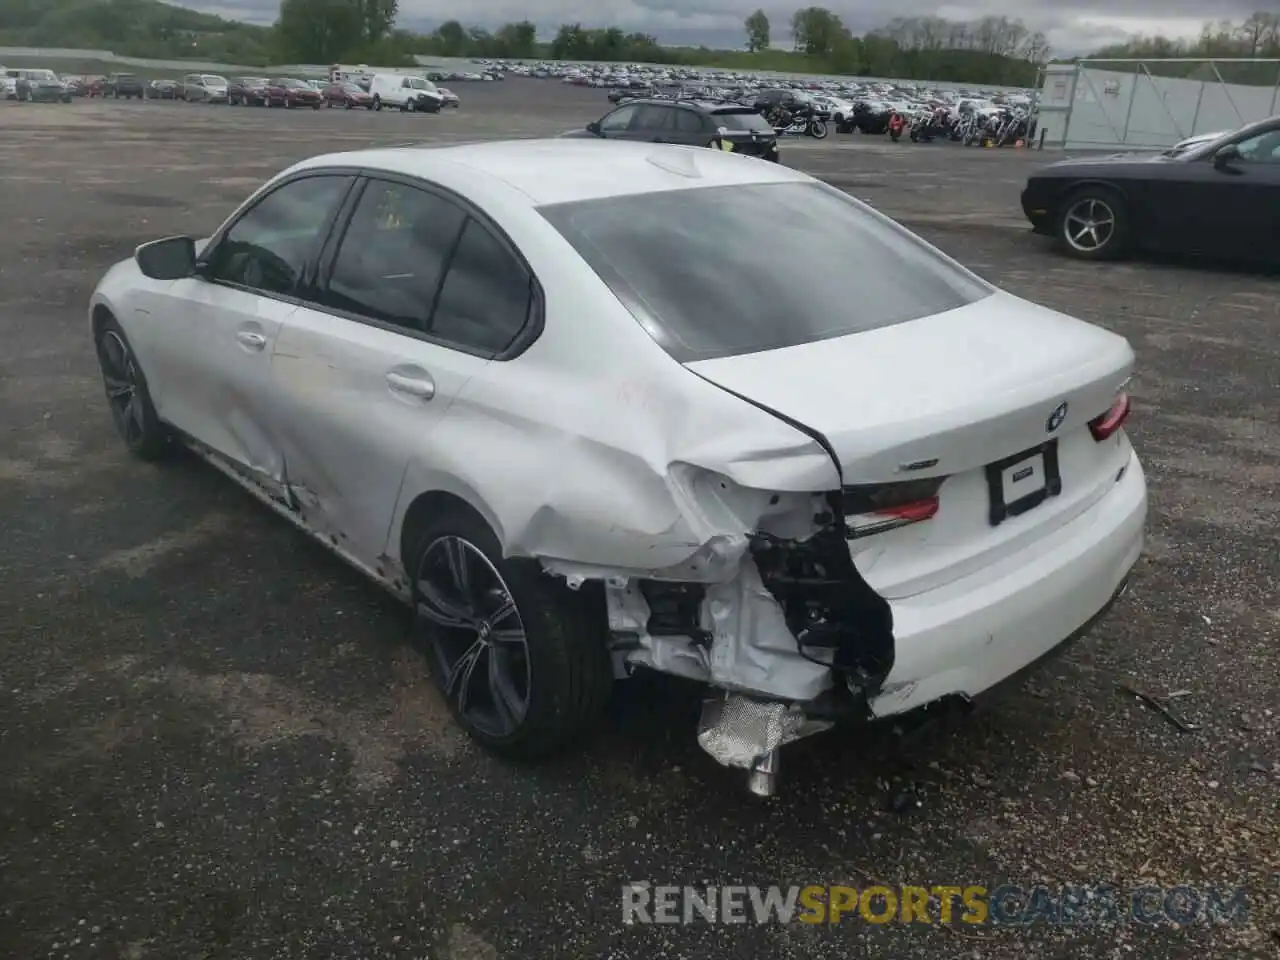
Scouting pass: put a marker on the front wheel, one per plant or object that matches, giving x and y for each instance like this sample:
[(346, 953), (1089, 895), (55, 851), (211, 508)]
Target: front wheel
[(1093, 224), (818, 129), (127, 394), (377, 102), (520, 658)]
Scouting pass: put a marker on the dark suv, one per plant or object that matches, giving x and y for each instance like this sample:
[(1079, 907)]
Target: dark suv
[(695, 123), (125, 85)]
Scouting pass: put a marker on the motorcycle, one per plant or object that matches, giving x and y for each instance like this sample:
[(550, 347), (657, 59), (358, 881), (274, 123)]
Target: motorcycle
[(926, 126), (801, 123), (897, 123)]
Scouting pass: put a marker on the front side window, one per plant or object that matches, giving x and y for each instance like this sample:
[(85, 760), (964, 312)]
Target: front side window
[(1264, 148), (710, 272), (487, 294), (619, 120), (269, 247), (393, 255)]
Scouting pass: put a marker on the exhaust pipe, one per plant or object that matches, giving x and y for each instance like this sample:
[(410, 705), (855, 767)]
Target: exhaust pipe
[(763, 778)]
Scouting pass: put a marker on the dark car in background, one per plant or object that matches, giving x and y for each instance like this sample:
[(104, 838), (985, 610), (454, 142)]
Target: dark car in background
[(164, 90), (289, 92), (1216, 200), (348, 94), (783, 98), (124, 86), (869, 116), (721, 126), (248, 91), (631, 93)]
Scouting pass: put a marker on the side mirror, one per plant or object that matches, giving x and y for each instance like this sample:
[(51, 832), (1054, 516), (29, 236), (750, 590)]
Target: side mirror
[(1226, 154), (172, 258), (594, 127)]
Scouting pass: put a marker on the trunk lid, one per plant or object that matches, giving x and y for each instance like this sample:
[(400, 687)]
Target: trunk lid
[(946, 396)]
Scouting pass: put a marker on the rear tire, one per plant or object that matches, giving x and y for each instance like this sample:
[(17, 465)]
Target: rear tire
[(377, 102), (818, 129), (546, 669)]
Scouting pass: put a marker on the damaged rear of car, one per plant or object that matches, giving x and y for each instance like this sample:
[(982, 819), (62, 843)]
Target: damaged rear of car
[(962, 432)]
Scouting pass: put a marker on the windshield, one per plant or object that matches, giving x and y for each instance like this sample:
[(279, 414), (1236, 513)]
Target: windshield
[(710, 272), (419, 84), (214, 81), (745, 119)]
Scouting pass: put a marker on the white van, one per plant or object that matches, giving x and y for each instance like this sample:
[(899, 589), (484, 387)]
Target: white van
[(407, 93)]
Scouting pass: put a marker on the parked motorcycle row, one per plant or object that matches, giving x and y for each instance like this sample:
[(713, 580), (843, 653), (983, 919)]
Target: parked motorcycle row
[(999, 127), (995, 120)]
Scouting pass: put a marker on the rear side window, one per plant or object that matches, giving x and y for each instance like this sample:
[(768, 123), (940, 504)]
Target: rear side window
[(487, 294), (721, 271), (741, 120), (688, 121), (393, 255)]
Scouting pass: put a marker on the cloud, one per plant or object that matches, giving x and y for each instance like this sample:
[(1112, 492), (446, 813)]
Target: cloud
[(1072, 26)]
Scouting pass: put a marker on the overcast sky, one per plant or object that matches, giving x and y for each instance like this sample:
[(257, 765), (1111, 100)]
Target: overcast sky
[(1072, 26)]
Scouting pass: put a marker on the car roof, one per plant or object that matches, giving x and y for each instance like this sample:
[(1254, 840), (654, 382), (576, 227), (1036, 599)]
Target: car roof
[(697, 103), (565, 169)]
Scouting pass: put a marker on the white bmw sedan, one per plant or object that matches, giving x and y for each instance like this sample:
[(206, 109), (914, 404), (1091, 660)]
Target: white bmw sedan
[(566, 399)]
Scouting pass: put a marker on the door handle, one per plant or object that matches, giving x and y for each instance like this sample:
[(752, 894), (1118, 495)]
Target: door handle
[(254, 341), (423, 387)]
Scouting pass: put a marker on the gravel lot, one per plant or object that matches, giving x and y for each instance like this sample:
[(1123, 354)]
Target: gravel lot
[(216, 744)]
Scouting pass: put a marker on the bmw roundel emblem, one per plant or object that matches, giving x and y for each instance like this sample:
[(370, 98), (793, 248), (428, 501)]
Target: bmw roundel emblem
[(1055, 419)]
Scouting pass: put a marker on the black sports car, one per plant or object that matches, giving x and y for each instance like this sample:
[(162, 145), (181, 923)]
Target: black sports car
[(1218, 199)]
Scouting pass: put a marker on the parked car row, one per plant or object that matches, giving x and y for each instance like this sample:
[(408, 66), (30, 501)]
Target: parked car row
[(405, 92)]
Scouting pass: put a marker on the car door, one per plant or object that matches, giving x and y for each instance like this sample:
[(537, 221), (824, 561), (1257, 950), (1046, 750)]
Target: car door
[(1226, 210), (418, 295), (1246, 198), (211, 336)]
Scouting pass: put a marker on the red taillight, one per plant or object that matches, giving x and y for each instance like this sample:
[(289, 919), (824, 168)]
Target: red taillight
[(1104, 426), (872, 509)]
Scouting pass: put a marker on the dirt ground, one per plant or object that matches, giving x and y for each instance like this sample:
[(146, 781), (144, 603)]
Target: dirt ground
[(215, 742)]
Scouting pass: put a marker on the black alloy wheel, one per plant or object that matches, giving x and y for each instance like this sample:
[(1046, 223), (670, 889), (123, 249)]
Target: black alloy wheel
[(127, 395), (480, 651), (521, 659)]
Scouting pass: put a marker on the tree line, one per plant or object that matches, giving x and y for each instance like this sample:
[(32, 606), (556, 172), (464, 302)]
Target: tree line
[(990, 50), (1257, 36)]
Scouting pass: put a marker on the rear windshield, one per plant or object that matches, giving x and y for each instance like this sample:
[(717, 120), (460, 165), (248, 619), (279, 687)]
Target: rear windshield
[(744, 119), (722, 271)]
